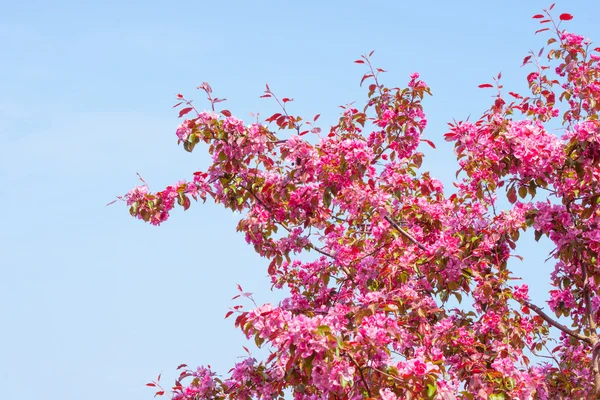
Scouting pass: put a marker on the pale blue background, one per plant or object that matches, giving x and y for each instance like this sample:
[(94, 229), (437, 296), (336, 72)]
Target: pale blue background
[(93, 303)]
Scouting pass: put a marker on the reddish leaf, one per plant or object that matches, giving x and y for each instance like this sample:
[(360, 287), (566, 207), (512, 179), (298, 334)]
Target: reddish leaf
[(226, 113), (150, 384), (545, 21), (218, 100), (286, 99), (158, 379), (369, 75), (541, 30), (316, 117), (265, 95), (178, 104), (359, 61), (565, 17), (371, 53), (429, 142), (228, 314), (245, 348), (552, 6), (381, 70), (182, 366), (538, 16), (315, 130), (526, 60), (302, 133), (185, 111), (159, 393), (485, 85), (179, 96), (273, 117)]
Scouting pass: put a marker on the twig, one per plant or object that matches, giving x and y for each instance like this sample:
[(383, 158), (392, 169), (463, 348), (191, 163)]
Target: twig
[(556, 324), (404, 233)]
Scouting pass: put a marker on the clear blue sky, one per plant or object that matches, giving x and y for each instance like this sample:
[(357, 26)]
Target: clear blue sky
[(93, 303)]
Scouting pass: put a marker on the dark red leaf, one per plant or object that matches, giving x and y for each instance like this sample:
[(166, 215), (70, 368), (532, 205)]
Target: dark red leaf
[(316, 117), (226, 113), (541, 52), (371, 53), (228, 314), (381, 70), (159, 393), (185, 111), (182, 366), (179, 96), (485, 85), (538, 16), (178, 104), (597, 49), (265, 95), (525, 60), (542, 30), (565, 17), (429, 142), (218, 100), (286, 99), (545, 21), (552, 6), (302, 133), (359, 61), (150, 384), (158, 379), (365, 77), (515, 95)]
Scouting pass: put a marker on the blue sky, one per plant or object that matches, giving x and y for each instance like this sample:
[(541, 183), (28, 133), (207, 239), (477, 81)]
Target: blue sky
[(94, 303)]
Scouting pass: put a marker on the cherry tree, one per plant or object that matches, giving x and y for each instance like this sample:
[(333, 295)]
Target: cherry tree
[(371, 310)]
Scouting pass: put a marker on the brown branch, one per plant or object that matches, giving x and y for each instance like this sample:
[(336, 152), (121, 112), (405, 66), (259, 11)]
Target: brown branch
[(362, 376), (586, 296), (556, 324), (404, 233)]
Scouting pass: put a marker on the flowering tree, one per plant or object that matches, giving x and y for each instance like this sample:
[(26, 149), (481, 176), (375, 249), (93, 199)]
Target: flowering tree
[(369, 316)]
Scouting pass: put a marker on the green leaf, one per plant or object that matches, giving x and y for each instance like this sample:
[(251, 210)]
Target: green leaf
[(499, 396), (327, 197), (431, 389), (323, 330)]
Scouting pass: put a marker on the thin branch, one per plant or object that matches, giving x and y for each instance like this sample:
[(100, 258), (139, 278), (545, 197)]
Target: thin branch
[(556, 324), (586, 296), (362, 376), (404, 233)]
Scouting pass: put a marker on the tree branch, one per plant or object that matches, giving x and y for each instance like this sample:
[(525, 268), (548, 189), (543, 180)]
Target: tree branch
[(586, 296), (556, 324), (404, 233)]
